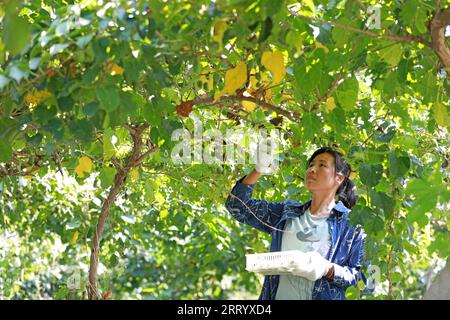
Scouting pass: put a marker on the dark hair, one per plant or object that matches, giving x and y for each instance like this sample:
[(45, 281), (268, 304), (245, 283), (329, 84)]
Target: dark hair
[(346, 190)]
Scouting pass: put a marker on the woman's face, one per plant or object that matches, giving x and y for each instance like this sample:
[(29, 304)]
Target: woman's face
[(321, 174)]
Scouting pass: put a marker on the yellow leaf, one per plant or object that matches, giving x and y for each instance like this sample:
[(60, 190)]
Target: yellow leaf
[(159, 198), (268, 95), (321, 46), (248, 106), (265, 79), (218, 95), (219, 29), (440, 114), (115, 69), (84, 166), (352, 175), (163, 214), (134, 174), (209, 82), (330, 104), (274, 62), (36, 97), (235, 78), (309, 4), (30, 100), (74, 238), (253, 82)]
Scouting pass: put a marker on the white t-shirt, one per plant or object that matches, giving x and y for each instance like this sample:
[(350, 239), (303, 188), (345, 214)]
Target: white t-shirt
[(305, 233)]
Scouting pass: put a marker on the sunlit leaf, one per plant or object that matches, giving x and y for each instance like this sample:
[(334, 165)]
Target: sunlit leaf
[(274, 62), (84, 166)]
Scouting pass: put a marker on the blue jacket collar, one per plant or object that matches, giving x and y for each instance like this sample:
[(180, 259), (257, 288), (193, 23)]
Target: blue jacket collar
[(299, 209)]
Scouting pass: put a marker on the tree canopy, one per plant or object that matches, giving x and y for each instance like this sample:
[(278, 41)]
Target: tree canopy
[(91, 92)]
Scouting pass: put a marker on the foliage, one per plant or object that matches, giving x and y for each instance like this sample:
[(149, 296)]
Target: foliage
[(75, 75)]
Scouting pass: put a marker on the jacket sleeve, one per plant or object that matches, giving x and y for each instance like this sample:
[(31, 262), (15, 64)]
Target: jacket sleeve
[(259, 214), (350, 274)]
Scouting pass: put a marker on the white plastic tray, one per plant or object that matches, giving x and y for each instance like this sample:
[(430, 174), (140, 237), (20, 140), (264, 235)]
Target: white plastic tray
[(274, 263)]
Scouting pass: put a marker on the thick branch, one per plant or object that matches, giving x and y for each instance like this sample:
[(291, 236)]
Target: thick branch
[(438, 41), (290, 115), (366, 32), (132, 161)]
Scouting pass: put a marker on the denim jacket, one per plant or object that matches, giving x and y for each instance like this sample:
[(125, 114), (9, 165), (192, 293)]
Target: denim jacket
[(347, 242)]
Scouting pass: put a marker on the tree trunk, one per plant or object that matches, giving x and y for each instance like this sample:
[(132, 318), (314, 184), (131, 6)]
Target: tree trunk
[(133, 160), (438, 40), (440, 288)]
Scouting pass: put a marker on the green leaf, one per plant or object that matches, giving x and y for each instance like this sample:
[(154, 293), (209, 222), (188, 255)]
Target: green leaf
[(385, 137), (272, 6), (341, 36), (440, 114), (347, 93), (131, 104), (82, 130), (361, 285), (310, 124), (19, 72), (107, 177), (360, 215), (266, 29), (428, 87), (399, 164), (57, 48), (91, 108), (108, 147), (73, 224), (56, 127), (396, 277), (391, 87), (351, 293), (425, 196), (440, 244), (65, 103), (402, 71), (83, 41), (3, 81), (16, 33), (370, 175), (5, 151), (384, 202), (301, 77), (108, 97), (392, 54), (44, 113), (414, 15), (374, 225)]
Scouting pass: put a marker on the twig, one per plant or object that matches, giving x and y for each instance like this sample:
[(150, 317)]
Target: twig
[(391, 37), (327, 94)]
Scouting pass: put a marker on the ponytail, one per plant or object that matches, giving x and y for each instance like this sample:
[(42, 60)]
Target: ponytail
[(346, 193)]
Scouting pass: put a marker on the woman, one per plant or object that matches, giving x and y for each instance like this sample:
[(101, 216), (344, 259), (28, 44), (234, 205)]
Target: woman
[(319, 227)]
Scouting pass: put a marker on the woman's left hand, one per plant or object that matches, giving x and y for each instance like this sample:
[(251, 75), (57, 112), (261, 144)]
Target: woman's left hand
[(313, 267)]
